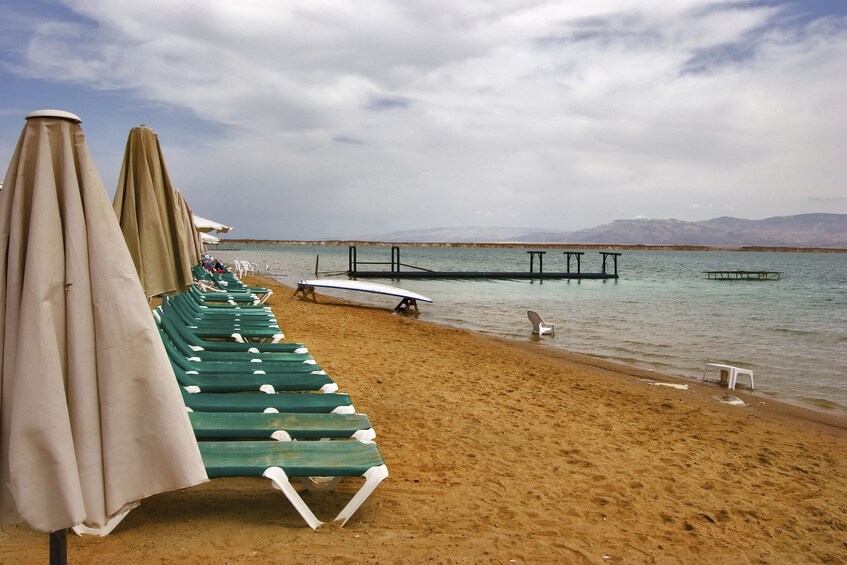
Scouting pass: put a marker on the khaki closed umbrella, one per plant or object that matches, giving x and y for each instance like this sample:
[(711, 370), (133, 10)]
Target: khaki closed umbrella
[(147, 211), (192, 238), (91, 418)]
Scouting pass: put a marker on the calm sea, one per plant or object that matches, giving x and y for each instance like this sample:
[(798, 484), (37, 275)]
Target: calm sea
[(661, 314)]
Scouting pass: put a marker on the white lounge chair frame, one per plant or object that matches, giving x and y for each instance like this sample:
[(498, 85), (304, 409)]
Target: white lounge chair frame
[(280, 481)]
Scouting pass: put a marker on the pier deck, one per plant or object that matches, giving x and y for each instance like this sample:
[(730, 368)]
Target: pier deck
[(743, 275), (477, 275), (415, 272)]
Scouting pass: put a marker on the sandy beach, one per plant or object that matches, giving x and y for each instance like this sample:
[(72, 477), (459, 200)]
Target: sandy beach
[(509, 452)]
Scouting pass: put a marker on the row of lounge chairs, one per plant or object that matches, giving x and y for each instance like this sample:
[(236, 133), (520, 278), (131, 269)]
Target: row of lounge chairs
[(260, 407), (228, 283)]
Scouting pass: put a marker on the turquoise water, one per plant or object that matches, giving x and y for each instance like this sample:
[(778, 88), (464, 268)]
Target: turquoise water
[(661, 314)]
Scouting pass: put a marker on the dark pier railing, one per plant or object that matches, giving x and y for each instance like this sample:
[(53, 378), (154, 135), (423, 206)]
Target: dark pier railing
[(743, 275), (614, 256), (415, 272), (576, 254), (395, 264)]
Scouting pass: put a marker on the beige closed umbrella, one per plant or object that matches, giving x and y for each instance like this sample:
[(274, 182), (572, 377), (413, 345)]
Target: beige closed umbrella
[(91, 417), (192, 236), (146, 206)]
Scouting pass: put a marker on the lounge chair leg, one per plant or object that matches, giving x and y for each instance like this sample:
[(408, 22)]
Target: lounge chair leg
[(265, 297), (320, 484), (281, 481), (373, 477)]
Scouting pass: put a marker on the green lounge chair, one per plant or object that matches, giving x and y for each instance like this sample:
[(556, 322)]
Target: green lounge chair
[(214, 287), (295, 402), (247, 353), (282, 461), (211, 297), (197, 365), (208, 327), (179, 309), (174, 328), (279, 426), (275, 359), (228, 281), (320, 465), (190, 306), (194, 382), (197, 297)]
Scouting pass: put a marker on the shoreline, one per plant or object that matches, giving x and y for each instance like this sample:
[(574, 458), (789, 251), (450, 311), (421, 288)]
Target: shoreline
[(759, 404), (825, 415), (541, 245), (507, 452)]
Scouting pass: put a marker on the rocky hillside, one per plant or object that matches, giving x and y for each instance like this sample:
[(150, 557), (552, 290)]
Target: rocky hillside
[(803, 230)]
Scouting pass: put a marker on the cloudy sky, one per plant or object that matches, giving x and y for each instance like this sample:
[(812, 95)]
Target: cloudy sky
[(323, 118)]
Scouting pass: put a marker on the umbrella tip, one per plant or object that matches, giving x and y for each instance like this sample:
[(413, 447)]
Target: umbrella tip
[(54, 114)]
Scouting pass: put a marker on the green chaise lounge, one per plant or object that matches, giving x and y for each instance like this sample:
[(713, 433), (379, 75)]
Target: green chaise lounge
[(194, 382), (177, 329), (282, 461), (299, 402), (280, 426)]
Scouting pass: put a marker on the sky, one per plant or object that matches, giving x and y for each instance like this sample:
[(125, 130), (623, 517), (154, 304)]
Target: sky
[(327, 119)]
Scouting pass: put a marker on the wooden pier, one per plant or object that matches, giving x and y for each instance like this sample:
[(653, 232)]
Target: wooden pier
[(743, 275), (415, 272)]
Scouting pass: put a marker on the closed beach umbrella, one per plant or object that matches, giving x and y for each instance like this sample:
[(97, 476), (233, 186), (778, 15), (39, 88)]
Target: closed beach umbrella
[(192, 236), (206, 225), (91, 418), (146, 206)]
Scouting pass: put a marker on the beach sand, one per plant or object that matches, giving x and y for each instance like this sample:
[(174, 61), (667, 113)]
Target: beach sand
[(509, 452)]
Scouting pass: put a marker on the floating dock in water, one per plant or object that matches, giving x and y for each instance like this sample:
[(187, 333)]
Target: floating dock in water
[(415, 272), (743, 275)]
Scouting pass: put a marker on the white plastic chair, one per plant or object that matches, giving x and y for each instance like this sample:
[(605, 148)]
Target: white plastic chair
[(538, 325)]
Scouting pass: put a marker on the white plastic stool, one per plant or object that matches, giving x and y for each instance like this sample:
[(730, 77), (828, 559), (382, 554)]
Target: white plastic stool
[(729, 374), (733, 376)]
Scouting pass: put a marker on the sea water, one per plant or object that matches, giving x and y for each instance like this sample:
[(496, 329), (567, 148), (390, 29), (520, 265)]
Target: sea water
[(662, 313)]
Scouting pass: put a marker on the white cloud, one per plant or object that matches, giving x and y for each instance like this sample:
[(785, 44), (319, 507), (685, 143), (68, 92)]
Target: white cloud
[(345, 118)]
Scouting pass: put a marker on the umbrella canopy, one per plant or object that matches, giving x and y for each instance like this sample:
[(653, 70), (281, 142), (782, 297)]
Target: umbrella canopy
[(192, 236), (206, 225), (153, 227), (209, 238), (91, 418)]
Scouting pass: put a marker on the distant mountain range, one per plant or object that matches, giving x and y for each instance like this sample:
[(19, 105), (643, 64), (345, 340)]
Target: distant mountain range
[(803, 230)]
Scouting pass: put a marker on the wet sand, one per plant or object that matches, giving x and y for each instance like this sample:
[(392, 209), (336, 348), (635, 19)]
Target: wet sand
[(510, 452)]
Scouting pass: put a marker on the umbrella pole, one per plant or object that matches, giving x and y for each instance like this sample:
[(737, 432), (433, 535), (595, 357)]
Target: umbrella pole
[(59, 547)]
